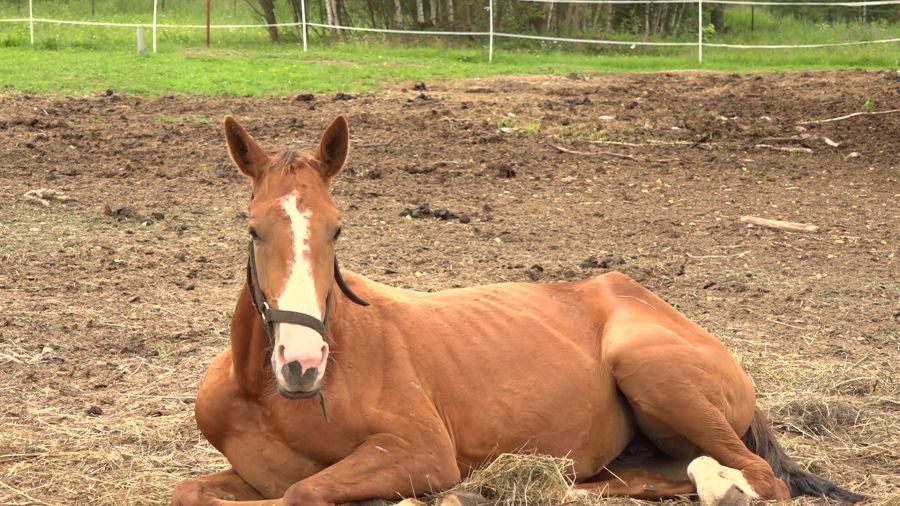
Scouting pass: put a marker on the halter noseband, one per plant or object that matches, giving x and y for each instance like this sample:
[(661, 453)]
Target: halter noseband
[(272, 316)]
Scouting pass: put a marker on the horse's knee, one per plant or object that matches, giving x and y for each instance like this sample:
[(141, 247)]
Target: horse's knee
[(302, 495), (187, 493)]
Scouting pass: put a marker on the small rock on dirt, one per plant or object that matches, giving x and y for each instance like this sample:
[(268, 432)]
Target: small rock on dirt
[(121, 213), (305, 97), (592, 262), (445, 214), (420, 87), (343, 96), (579, 101), (506, 172), (420, 211), (94, 411)]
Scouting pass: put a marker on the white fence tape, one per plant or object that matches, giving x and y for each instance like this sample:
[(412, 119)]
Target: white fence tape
[(793, 46), (385, 30), (491, 34), (727, 2), (592, 41)]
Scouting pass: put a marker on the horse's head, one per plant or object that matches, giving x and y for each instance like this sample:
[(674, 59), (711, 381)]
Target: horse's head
[(294, 224)]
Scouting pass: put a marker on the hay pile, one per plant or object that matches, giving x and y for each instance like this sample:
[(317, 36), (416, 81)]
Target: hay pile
[(515, 479)]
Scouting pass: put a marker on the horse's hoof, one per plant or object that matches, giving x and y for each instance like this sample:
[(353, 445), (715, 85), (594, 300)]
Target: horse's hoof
[(461, 499)]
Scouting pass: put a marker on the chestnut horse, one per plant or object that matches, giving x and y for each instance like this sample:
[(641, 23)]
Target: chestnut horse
[(340, 389)]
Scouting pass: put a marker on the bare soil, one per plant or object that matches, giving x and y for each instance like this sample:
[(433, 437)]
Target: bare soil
[(116, 292)]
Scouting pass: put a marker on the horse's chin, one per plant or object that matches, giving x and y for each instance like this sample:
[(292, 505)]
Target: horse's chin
[(299, 394)]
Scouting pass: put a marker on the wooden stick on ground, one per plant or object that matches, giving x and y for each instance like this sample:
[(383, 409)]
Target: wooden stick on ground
[(839, 118), (781, 148), (610, 153), (790, 226)]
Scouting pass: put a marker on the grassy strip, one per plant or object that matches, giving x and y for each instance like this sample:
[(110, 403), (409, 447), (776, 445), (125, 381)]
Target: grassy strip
[(286, 69)]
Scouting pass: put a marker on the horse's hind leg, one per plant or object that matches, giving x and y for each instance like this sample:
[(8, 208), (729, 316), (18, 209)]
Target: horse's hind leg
[(689, 399), (639, 484)]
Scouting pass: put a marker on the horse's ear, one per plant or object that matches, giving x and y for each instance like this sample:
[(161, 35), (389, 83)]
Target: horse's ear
[(247, 154), (334, 147)]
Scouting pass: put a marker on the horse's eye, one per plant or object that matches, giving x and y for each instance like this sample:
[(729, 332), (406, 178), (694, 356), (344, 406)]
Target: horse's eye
[(253, 234), (337, 234)]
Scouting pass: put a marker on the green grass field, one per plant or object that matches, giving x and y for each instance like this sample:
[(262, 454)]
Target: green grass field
[(79, 60)]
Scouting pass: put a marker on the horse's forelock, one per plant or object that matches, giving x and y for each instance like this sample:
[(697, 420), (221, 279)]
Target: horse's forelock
[(290, 161)]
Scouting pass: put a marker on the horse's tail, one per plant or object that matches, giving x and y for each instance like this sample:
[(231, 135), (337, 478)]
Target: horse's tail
[(761, 440)]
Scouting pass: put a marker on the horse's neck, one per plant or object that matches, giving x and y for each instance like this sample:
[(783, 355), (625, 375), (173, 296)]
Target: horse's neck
[(249, 340)]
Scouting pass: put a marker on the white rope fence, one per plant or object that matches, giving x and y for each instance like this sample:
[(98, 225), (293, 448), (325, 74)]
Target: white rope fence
[(303, 24)]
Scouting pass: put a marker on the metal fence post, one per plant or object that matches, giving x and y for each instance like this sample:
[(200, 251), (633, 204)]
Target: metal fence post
[(31, 19), (303, 21), (700, 31), (491, 31), (154, 25)]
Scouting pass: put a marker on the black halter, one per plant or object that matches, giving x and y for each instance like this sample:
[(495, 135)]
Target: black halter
[(272, 316)]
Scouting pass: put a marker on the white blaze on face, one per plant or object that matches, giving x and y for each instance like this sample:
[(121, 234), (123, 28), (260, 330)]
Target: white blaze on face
[(299, 343), (300, 291)]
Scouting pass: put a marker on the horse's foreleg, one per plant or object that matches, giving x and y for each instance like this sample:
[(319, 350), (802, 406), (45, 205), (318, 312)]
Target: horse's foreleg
[(386, 466), (214, 489)]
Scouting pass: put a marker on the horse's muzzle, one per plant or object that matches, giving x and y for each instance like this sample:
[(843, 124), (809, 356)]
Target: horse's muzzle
[(297, 381)]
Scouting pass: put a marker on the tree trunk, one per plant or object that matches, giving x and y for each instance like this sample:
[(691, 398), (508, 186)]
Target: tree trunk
[(717, 16), (610, 17), (433, 11), (267, 12), (450, 12), (329, 14), (338, 8), (647, 19), (371, 9), (675, 19), (420, 13), (398, 14), (549, 14)]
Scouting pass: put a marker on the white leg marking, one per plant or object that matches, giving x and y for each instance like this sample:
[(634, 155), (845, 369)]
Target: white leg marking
[(718, 485)]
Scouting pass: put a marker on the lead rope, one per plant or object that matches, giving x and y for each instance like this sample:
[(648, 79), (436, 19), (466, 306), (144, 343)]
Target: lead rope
[(324, 410)]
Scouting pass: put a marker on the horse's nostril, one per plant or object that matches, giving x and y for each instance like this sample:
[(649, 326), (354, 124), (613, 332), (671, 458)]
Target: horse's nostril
[(291, 372), (309, 376), (294, 375)]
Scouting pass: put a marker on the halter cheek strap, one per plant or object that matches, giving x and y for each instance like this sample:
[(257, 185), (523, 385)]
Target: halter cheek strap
[(272, 316)]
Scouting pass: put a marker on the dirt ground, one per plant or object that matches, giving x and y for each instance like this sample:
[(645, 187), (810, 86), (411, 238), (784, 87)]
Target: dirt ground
[(116, 292)]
